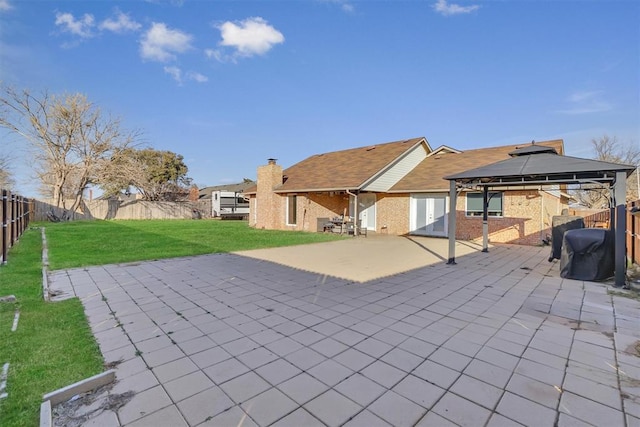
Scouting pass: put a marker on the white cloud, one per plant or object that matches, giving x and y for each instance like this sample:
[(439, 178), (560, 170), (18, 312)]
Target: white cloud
[(214, 54), (200, 78), (161, 43), (177, 75), (5, 6), (174, 72), (447, 9), (177, 3), (121, 24), (348, 7), (80, 27), (581, 96), (345, 5), (253, 36), (586, 102)]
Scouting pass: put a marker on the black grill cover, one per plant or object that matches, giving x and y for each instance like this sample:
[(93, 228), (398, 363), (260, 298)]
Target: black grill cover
[(587, 254), (559, 225)]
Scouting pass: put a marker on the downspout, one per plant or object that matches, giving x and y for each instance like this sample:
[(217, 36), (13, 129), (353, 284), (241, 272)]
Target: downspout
[(355, 212)]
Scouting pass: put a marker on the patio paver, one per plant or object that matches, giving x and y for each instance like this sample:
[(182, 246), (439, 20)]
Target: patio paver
[(499, 339)]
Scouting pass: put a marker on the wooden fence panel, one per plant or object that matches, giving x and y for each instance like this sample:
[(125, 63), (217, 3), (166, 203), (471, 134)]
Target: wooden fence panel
[(15, 214), (116, 209), (593, 218)]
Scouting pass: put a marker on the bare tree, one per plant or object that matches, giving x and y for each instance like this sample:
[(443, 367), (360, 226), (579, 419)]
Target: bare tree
[(610, 149), (69, 138), (6, 177)]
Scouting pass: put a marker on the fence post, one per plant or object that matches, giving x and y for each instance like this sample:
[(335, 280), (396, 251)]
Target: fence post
[(21, 215), (25, 208), (633, 236), (4, 226), (12, 219), (18, 217)]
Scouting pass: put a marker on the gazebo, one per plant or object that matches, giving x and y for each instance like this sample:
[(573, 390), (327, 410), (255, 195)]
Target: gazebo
[(536, 166)]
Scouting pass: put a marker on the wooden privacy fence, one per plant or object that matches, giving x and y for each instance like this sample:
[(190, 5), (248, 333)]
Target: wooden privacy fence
[(602, 219), (117, 209), (15, 212)]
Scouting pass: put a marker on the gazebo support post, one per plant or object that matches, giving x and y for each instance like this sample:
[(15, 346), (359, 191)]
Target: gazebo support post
[(452, 222), (620, 193), (485, 219)]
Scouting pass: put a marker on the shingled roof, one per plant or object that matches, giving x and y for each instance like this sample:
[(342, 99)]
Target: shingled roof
[(241, 187), (428, 175), (351, 169), (346, 169)]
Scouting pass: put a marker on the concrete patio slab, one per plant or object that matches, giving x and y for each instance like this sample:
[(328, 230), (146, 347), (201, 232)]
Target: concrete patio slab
[(498, 339), (364, 259)]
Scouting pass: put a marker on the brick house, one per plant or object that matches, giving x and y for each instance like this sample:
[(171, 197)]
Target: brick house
[(397, 188)]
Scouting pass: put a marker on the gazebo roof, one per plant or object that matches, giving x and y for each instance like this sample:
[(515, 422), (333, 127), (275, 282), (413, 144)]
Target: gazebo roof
[(532, 149), (536, 164)]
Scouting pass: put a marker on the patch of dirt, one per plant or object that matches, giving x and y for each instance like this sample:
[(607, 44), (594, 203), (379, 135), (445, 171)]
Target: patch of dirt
[(631, 382), (634, 349), (83, 407), (113, 365), (629, 293)]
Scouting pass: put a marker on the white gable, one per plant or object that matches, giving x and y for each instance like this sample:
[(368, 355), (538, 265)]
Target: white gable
[(388, 178), (444, 149)]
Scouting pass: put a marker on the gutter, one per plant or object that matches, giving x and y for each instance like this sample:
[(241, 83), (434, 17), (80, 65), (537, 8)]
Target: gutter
[(309, 190)]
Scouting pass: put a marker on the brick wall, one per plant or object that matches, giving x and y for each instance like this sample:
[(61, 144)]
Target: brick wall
[(392, 214), (271, 208), (269, 205), (323, 205), (526, 220)]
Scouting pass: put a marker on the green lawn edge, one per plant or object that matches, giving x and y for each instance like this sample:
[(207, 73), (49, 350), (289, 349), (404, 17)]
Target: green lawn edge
[(52, 346)]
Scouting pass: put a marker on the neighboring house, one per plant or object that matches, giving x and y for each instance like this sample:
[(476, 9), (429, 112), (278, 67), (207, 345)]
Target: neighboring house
[(228, 200), (397, 188)]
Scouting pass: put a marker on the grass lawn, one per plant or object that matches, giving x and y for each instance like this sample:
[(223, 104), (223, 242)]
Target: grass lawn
[(53, 345), (82, 243)]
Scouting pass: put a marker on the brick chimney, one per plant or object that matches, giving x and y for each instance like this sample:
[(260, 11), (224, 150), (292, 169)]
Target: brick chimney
[(269, 204)]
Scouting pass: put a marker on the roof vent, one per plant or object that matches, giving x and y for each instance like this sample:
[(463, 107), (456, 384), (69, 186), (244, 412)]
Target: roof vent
[(373, 147)]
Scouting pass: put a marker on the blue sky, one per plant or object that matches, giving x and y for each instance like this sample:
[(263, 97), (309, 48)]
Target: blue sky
[(228, 84)]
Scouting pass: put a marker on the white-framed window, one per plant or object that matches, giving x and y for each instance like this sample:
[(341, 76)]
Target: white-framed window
[(474, 204), (292, 210)]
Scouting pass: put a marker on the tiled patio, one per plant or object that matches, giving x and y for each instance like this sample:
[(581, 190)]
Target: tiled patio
[(497, 340)]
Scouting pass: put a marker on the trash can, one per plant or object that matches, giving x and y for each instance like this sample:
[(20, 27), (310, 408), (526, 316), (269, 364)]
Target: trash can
[(560, 224), (587, 254)]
